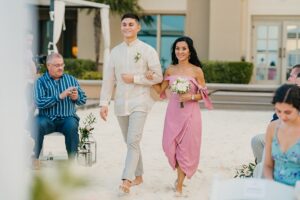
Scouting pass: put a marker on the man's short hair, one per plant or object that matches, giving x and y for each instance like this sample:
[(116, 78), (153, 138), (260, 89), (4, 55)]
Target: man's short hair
[(51, 56), (132, 16)]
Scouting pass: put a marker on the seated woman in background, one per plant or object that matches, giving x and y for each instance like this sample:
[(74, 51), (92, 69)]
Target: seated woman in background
[(282, 158)]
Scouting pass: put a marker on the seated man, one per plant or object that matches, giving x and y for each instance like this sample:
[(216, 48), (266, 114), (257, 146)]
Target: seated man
[(258, 141), (56, 95)]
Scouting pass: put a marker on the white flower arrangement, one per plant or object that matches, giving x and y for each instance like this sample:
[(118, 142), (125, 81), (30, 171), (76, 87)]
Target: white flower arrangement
[(180, 86), (245, 171), (137, 57), (86, 130)]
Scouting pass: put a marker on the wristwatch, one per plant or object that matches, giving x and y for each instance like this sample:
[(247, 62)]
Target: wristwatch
[(193, 97)]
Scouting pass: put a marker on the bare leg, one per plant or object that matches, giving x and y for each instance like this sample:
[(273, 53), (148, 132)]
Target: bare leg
[(180, 179)]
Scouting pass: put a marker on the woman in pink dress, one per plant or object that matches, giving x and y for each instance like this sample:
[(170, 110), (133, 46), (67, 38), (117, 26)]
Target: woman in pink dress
[(182, 128)]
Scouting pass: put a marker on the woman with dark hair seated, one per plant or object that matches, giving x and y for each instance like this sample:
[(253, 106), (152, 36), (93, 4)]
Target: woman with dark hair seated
[(282, 158)]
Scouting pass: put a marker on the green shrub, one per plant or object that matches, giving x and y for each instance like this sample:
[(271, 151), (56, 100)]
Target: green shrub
[(227, 72), (92, 75), (80, 68)]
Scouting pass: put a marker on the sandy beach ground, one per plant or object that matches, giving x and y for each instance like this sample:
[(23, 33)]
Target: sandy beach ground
[(225, 146)]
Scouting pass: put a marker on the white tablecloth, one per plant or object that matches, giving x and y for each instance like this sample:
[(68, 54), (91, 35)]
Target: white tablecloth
[(251, 189)]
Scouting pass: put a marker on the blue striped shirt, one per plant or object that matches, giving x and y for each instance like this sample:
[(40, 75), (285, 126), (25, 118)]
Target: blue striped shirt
[(46, 96)]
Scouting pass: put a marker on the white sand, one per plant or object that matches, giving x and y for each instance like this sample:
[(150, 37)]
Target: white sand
[(226, 139)]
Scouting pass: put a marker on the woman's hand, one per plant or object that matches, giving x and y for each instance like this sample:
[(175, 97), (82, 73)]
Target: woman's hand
[(185, 97), (149, 75)]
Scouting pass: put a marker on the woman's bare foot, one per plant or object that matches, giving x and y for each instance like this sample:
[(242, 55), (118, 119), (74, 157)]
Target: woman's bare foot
[(125, 186), (178, 189), (138, 180), (178, 186)]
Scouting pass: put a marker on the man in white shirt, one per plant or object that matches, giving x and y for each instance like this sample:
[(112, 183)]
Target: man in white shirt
[(129, 61)]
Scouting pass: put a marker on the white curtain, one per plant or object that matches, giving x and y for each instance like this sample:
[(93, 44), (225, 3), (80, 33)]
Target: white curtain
[(104, 12), (59, 14)]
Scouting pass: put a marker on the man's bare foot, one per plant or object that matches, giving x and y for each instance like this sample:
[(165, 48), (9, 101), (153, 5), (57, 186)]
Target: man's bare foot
[(125, 186), (36, 165), (138, 180), (178, 188)]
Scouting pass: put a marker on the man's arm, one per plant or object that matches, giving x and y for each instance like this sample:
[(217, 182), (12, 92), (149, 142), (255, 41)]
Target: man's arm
[(79, 94), (41, 100), (154, 66), (108, 84), (157, 76), (107, 88)]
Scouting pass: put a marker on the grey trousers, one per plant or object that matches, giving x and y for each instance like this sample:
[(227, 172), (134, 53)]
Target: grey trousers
[(132, 129), (258, 145)]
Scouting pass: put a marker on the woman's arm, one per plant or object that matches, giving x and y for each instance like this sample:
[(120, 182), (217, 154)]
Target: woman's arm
[(198, 74), (160, 87), (269, 162)]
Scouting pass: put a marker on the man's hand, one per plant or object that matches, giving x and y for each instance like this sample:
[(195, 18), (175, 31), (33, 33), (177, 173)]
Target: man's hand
[(127, 78), (103, 112), (74, 94), (69, 92)]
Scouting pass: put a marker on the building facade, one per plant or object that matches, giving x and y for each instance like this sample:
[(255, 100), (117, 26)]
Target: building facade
[(264, 32)]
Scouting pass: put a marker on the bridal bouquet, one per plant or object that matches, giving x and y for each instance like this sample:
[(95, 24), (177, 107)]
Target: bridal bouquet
[(180, 86)]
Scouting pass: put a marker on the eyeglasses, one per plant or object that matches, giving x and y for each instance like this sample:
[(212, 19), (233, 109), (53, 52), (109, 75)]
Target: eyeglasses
[(58, 65)]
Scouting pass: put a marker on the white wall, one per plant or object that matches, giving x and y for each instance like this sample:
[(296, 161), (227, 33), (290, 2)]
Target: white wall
[(274, 7), (225, 30), (85, 35), (174, 6)]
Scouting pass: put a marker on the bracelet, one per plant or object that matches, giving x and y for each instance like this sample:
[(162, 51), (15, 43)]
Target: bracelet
[(193, 97)]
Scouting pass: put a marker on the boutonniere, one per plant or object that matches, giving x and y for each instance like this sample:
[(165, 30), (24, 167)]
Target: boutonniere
[(137, 56)]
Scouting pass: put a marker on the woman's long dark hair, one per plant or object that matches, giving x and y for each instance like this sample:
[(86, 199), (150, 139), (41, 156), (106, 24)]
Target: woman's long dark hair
[(193, 57), (288, 93)]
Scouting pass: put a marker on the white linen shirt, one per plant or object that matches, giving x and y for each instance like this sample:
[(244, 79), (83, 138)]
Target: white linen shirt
[(135, 58)]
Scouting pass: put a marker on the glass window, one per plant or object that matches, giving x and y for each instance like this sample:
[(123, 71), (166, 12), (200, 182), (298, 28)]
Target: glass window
[(149, 31), (273, 32), (163, 31), (171, 28), (273, 45), (261, 45), (262, 32)]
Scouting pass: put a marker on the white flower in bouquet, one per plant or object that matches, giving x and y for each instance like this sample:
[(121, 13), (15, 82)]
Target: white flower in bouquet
[(89, 128), (180, 86)]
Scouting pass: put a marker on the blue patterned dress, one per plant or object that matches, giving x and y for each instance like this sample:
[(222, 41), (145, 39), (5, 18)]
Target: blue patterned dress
[(286, 164)]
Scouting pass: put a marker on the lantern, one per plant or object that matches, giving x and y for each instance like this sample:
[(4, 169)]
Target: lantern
[(87, 152)]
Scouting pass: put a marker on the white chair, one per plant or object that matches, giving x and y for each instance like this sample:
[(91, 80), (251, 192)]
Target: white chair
[(250, 189), (54, 147)]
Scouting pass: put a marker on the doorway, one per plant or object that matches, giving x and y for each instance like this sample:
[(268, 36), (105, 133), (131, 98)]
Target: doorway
[(276, 49)]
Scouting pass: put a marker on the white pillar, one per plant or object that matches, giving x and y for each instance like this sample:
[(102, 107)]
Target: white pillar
[(13, 168)]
